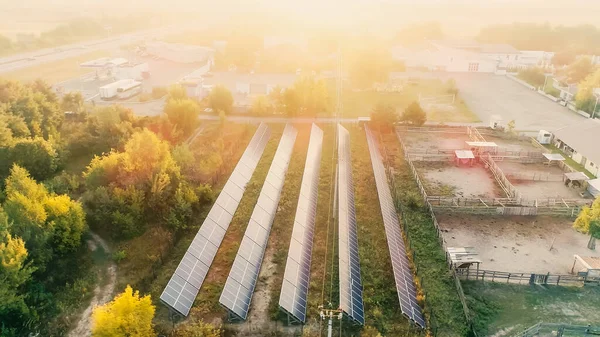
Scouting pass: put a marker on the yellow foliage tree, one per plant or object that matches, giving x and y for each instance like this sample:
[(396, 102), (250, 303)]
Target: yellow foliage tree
[(127, 315), (586, 216)]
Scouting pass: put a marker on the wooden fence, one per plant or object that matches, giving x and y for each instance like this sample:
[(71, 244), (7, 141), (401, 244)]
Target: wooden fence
[(504, 183), (521, 278), (559, 330), (474, 134)]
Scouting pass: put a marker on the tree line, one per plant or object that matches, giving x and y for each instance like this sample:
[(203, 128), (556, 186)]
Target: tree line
[(141, 174)]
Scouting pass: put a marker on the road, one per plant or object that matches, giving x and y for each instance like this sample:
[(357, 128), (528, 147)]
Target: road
[(29, 59)]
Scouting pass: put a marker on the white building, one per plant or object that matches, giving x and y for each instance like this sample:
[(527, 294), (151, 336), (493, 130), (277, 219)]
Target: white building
[(180, 53), (535, 58), (136, 71), (580, 142), (121, 89)]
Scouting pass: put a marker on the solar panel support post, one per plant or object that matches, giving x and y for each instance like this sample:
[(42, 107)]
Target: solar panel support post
[(174, 315)]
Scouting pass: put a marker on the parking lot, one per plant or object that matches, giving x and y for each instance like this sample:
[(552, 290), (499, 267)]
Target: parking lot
[(488, 94)]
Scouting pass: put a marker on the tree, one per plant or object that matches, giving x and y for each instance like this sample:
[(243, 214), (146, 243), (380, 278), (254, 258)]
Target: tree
[(563, 58), (67, 220), (177, 91), (261, 106), (220, 99), (291, 102), (578, 70), (14, 273), (183, 113), (588, 222), (37, 155), (414, 114), (73, 102), (127, 315), (585, 99), (384, 117), (533, 76), (312, 94), (370, 66)]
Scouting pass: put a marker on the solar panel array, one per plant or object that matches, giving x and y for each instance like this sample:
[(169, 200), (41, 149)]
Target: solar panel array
[(238, 289), (183, 287), (351, 301), (294, 289), (402, 273)]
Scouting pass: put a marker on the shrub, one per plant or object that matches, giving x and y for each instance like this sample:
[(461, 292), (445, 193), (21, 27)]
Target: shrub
[(159, 92), (119, 256)]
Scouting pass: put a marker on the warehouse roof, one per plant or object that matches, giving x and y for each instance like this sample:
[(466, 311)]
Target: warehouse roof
[(583, 138)]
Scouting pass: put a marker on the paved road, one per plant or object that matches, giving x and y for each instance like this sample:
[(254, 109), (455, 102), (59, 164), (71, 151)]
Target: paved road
[(42, 56), (488, 94)]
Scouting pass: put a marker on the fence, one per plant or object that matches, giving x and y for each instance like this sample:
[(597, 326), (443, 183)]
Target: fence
[(475, 135), (504, 183), (521, 278), (559, 330), (436, 225)]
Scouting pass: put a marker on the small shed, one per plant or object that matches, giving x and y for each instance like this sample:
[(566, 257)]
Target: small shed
[(575, 178), (463, 257), (464, 157), (594, 187), (553, 158), (590, 265)]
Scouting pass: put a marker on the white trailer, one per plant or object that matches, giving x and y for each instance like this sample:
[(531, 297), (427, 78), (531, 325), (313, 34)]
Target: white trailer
[(120, 89)]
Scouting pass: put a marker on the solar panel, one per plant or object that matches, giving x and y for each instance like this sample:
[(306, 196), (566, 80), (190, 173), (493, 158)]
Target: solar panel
[(294, 289), (351, 301), (238, 289), (407, 293), (183, 287)]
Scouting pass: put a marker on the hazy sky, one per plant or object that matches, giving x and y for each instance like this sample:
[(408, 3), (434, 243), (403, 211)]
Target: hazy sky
[(458, 17)]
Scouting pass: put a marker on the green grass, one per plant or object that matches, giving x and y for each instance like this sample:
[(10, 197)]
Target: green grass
[(550, 89), (514, 308), (443, 305), (360, 103), (569, 161)]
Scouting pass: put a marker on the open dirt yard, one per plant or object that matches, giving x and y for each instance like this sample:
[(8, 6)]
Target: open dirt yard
[(538, 181), (422, 141), (444, 179), (517, 244), (512, 143)]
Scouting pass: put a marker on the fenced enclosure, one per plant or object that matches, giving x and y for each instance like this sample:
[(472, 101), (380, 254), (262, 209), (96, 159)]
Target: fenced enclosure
[(513, 203), (525, 278), (559, 330)]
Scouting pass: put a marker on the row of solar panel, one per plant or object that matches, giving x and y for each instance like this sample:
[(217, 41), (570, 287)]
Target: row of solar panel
[(405, 287), (294, 290), (239, 287), (350, 284), (183, 287)]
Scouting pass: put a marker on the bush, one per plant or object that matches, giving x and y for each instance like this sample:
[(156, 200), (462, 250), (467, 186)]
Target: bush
[(414, 114), (119, 256), (533, 76), (159, 92)]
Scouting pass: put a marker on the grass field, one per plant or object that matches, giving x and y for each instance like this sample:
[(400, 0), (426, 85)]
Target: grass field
[(55, 72), (360, 103), (504, 310)]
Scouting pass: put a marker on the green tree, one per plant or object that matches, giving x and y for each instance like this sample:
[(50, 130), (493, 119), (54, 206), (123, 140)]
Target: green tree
[(127, 315), (383, 117), (313, 96), (74, 103), (414, 114), (183, 113), (533, 76), (370, 66), (37, 155), (261, 106), (177, 92), (594, 234), (220, 99), (291, 102), (67, 220)]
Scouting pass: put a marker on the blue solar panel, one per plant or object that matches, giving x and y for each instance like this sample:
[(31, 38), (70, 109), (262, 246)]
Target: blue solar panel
[(183, 287), (351, 301), (407, 293), (294, 289), (238, 289)]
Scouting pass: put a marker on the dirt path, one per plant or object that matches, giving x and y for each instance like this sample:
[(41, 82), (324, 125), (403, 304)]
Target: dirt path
[(102, 293)]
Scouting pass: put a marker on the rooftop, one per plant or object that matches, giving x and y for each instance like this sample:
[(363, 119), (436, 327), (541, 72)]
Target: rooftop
[(582, 137)]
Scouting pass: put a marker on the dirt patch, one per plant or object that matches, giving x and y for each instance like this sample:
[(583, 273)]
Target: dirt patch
[(441, 179), (509, 143), (517, 244), (434, 141), (102, 293)]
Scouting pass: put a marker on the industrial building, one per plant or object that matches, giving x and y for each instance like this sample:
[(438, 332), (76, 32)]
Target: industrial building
[(121, 89), (579, 141)]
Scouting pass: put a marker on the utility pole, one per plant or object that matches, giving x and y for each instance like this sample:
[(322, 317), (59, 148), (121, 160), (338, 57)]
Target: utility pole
[(330, 315)]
